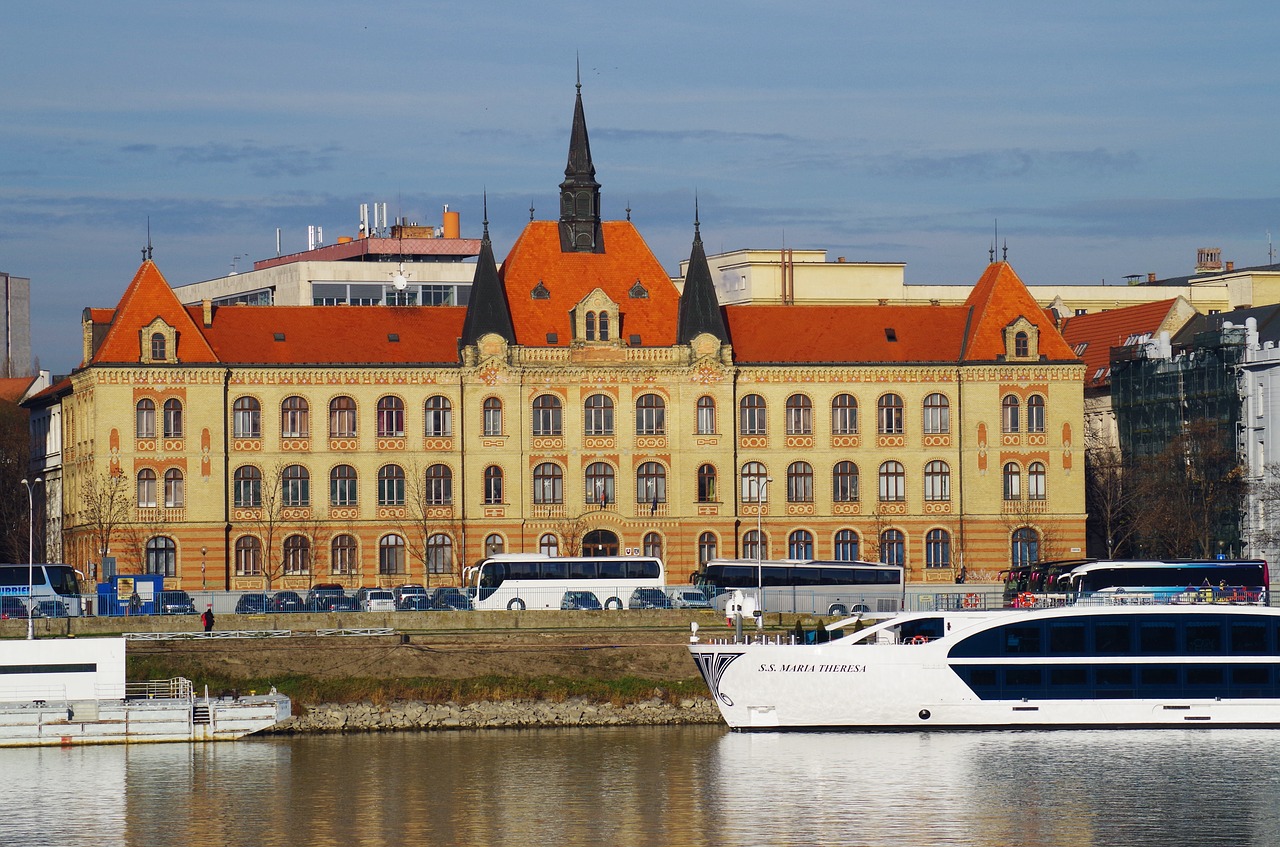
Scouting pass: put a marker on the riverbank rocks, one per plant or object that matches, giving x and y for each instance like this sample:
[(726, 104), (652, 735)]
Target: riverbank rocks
[(507, 714)]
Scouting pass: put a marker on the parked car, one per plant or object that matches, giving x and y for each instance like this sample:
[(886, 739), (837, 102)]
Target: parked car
[(451, 599), (688, 598), (12, 607), (377, 599), (414, 603), (287, 601), (51, 609), (322, 597), (253, 604), (402, 591), (174, 603), (649, 598), (583, 601), (345, 603)]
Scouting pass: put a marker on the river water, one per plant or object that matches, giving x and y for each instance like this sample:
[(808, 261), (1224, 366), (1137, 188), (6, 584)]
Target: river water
[(655, 786)]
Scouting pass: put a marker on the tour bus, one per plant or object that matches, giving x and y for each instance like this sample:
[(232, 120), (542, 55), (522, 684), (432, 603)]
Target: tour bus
[(809, 586), (55, 589), (1171, 581), (1040, 582), (538, 581)]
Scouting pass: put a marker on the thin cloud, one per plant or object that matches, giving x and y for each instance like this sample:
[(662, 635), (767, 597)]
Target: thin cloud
[(261, 160), (1013, 162)]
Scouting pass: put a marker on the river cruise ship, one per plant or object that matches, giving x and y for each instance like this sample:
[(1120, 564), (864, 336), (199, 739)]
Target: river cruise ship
[(72, 691), (1105, 666)]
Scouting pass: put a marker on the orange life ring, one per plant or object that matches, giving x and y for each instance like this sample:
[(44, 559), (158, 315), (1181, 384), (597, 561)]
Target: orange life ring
[(1026, 600), (972, 601), (919, 639)]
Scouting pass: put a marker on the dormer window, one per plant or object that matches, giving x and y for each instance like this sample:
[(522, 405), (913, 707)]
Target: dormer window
[(1021, 341), (157, 347), (595, 318), (638, 291), (591, 326), (604, 326), (540, 292), (157, 343), (1021, 345)]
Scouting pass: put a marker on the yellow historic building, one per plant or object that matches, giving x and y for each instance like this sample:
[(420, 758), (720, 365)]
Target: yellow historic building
[(580, 402)]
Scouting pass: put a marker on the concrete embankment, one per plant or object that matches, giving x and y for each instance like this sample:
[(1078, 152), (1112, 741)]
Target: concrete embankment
[(510, 714)]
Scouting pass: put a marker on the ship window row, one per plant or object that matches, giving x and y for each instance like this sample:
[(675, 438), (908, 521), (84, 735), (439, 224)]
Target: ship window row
[(1120, 635), (1120, 682)]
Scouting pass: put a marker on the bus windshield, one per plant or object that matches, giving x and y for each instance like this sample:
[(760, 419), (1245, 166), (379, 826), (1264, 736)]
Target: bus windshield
[(1038, 578)]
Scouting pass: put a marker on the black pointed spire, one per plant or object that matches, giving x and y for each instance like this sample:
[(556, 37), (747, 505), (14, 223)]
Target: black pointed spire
[(699, 308), (487, 310), (580, 193)]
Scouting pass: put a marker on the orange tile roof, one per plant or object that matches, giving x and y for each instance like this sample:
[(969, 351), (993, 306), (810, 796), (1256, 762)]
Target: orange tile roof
[(149, 297), (1101, 331), (768, 333), (999, 298), (569, 277), (331, 335), (12, 388)]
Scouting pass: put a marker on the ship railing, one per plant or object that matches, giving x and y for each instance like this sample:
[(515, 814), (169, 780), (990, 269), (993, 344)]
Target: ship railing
[(177, 688)]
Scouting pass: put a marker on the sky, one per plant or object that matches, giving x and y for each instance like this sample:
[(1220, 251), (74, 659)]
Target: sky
[(1099, 139)]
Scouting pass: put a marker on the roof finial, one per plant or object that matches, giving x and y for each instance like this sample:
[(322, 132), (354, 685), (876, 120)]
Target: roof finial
[(628, 210), (146, 253), (1004, 257), (697, 233), (991, 253), (577, 61), (485, 195), (530, 211)]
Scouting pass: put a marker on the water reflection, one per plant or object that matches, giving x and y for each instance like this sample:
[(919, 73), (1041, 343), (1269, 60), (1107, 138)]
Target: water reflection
[(656, 786)]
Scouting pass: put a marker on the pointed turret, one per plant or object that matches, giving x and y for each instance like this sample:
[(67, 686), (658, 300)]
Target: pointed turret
[(580, 193), (487, 310), (699, 308)]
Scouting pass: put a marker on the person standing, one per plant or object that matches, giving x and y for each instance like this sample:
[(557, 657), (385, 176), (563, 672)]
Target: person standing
[(207, 618)]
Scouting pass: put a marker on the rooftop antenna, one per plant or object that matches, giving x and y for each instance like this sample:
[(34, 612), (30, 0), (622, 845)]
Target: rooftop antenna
[(400, 278), (1271, 250), (530, 211)]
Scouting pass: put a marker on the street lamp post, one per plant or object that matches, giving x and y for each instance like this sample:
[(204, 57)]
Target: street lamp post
[(31, 553)]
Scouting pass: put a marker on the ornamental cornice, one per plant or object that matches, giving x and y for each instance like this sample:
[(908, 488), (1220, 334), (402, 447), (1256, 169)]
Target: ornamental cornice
[(841, 374), (157, 378), (305, 377)]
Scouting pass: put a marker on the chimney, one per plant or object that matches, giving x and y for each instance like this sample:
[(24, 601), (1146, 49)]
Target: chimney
[(1231, 266), (206, 305), (840, 260), (1151, 277)]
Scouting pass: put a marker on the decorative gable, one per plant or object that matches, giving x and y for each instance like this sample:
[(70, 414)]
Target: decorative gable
[(596, 319), (158, 343), (1022, 341)]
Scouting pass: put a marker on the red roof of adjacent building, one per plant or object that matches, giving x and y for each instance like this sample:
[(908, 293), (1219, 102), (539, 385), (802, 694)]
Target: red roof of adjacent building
[(1100, 331), (569, 277)]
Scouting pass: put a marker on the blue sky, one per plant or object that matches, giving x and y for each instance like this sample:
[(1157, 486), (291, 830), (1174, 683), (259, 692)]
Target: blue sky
[(1107, 138)]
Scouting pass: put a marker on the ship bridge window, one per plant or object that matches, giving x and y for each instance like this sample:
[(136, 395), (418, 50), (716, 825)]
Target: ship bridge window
[(1112, 637), (1204, 638), (1066, 638), (1249, 638), (1158, 637), (927, 628), (1022, 639)]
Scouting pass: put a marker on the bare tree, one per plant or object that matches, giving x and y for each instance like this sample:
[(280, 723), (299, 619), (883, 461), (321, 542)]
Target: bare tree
[(268, 522), (15, 452), (106, 506), (317, 533), (571, 530), (1111, 497)]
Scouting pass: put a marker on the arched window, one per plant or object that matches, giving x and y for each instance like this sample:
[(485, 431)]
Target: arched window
[(342, 417), (652, 544), (844, 415), (752, 415), (599, 484), (1012, 481), (937, 414), (390, 417), (246, 418), (546, 415), (438, 412), (799, 415), (391, 554), (549, 544), (172, 418), (248, 556), (343, 555), (343, 486), (295, 418), (651, 485), (707, 484), (246, 487), (157, 347), (800, 544), (390, 485), (1035, 481), (1025, 546), (439, 486), (651, 415), (439, 553), (604, 326), (707, 547), (889, 414), (493, 486), (755, 481), (1021, 344), (174, 495), (297, 555), (1035, 413), (548, 484), (893, 547), (937, 549), (844, 482), (755, 545), (295, 486), (598, 414), (937, 482), (162, 556), (146, 418), (893, 482), (1009, 414), (492, 416), (590, 323), (706, 415), (146, 488), (800, 482), (494, 544), (846, 543)]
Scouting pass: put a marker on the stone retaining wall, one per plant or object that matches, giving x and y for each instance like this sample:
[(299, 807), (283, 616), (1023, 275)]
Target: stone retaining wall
[(576, 711)]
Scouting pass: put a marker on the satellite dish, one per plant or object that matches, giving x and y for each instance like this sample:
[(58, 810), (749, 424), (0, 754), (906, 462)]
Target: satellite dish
[(400, 279)]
